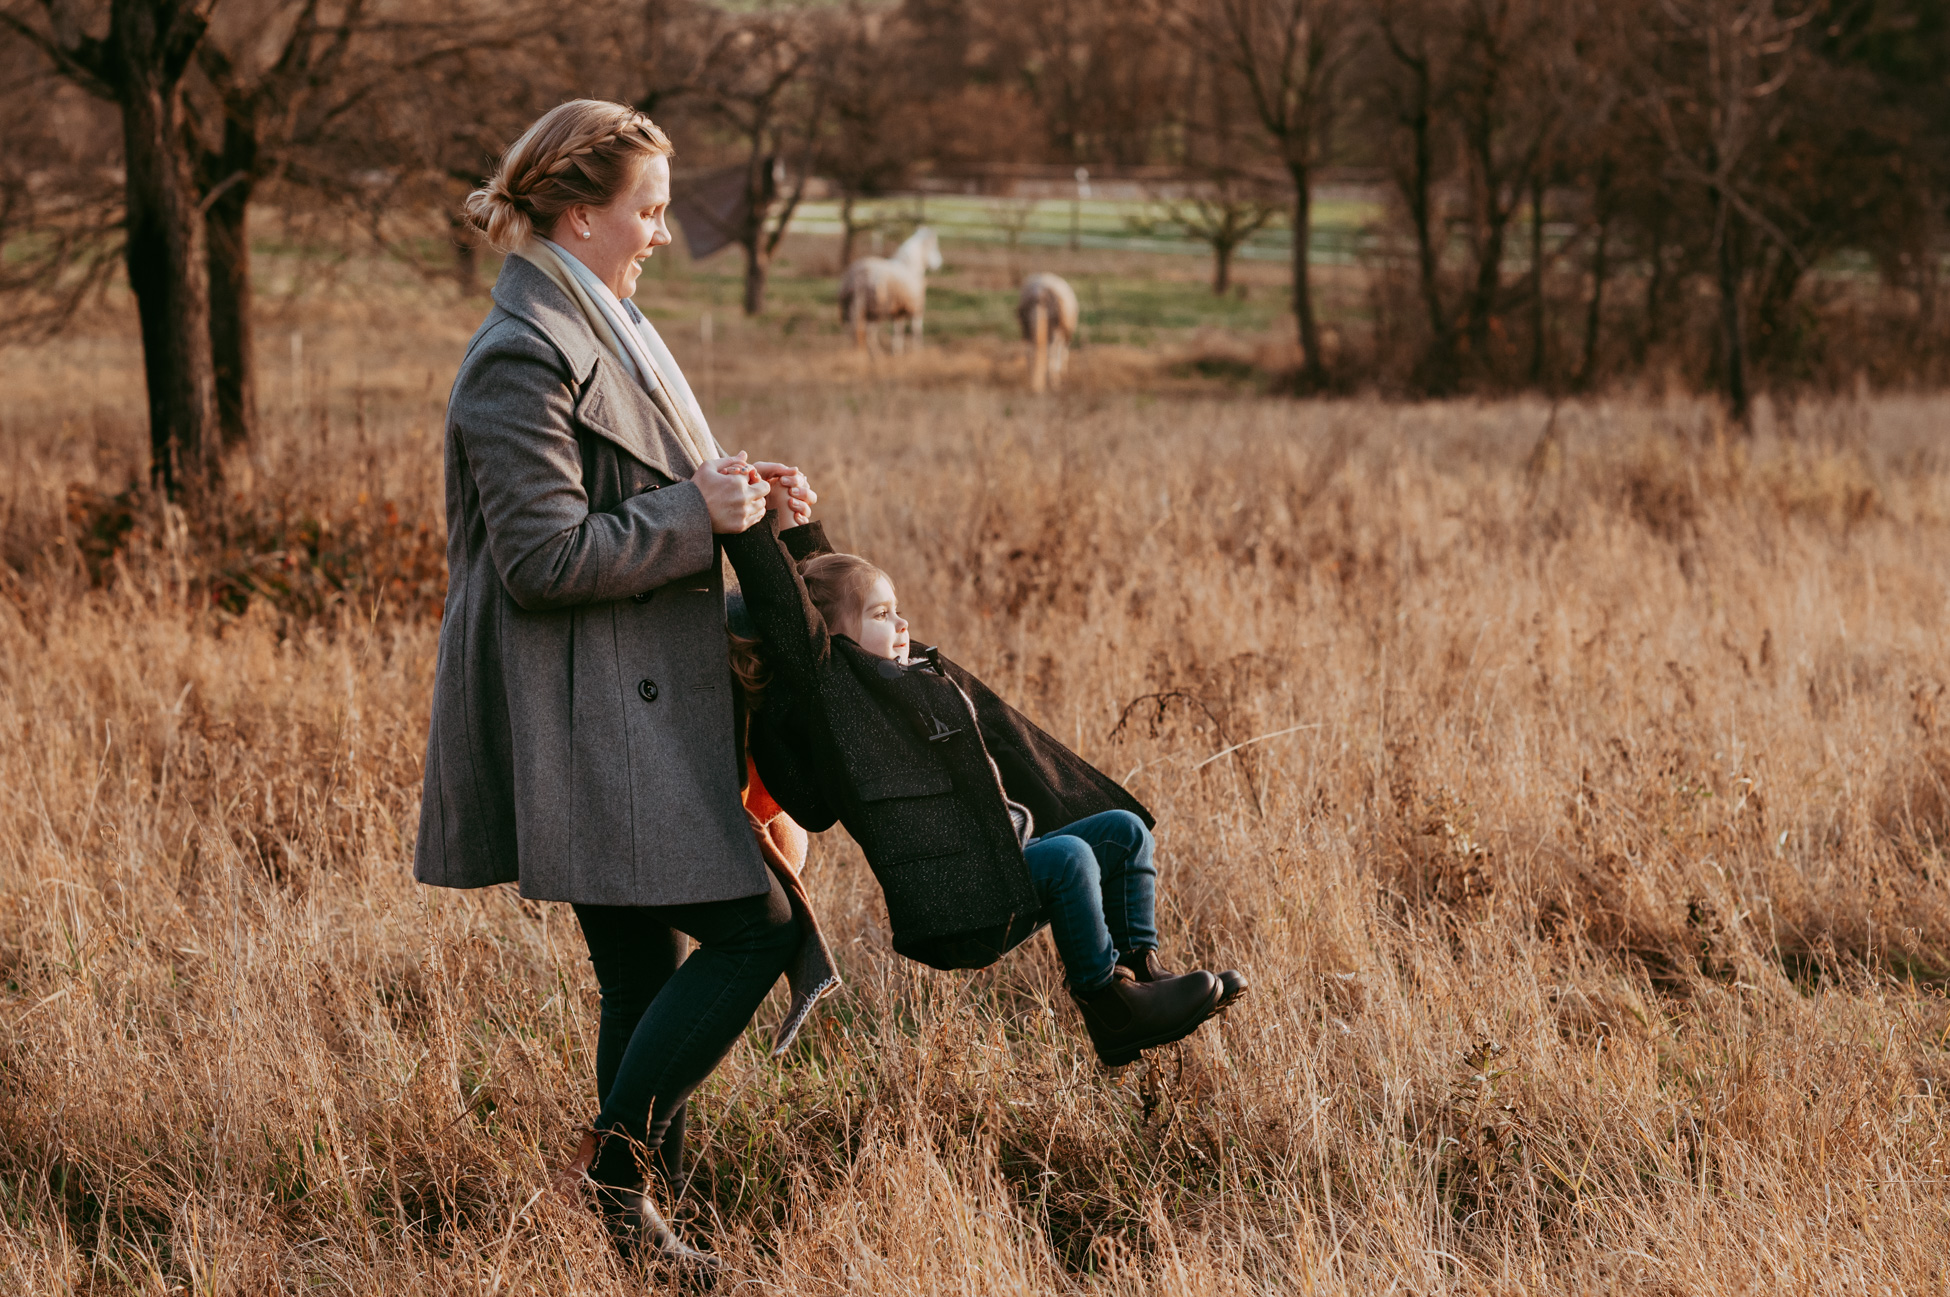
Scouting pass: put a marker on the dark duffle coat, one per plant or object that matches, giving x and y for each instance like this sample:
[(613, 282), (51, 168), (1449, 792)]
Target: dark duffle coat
[(914, 760), (583, 739)]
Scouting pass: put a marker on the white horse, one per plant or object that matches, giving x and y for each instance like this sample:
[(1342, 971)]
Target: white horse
[(1047, 311), (893, 288)]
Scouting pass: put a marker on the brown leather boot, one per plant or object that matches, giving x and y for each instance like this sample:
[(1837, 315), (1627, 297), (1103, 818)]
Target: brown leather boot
[(1127, 1016), (639, 1232), (636, 1228), (1146, 967)]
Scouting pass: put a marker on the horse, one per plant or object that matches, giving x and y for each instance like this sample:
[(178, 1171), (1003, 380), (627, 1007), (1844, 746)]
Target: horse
[(892, 288), (1047, 311)]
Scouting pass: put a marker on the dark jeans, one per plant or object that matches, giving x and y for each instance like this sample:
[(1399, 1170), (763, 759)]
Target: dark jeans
[(1099, 893), (667, 1021)]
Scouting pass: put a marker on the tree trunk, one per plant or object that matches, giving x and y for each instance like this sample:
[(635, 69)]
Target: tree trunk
[(760, 191), (1221, 267), (1493, 231), (1733, 339), (1773, 323), (228, 257), (1437, 371), (1655, 292), (1924, 280), (1539, 322), (467, 256), (1313, 363), (1594, 311), (165, 256), (847, 230), (756, 270)]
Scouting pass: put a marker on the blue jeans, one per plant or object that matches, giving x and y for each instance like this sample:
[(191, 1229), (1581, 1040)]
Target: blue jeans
[(1099, 892)]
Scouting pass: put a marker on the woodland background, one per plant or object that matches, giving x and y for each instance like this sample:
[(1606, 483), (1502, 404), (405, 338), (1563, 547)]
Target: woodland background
[(1726, 193)]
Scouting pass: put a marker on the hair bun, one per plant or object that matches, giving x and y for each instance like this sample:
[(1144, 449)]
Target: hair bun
[(499, 216)]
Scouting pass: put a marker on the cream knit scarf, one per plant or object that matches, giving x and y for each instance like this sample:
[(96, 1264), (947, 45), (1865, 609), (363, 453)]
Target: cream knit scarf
[(637, 345)]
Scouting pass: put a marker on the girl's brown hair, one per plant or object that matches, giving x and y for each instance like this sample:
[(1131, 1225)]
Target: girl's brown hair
[(838, 584), (748, 668), (585, 151)]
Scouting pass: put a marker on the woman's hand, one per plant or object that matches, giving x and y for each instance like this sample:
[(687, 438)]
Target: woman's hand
[(791, 495), (733, 492)]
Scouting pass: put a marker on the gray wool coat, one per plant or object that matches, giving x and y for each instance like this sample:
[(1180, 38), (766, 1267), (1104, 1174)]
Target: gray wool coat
[(583, 736)]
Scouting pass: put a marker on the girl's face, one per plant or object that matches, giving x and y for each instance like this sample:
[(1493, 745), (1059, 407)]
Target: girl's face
[(883, 631)]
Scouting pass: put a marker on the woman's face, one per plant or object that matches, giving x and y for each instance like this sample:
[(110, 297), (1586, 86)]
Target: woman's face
[(623, 233), (883, 631)]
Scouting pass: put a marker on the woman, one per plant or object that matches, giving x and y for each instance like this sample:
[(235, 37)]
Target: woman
[(584, 741)]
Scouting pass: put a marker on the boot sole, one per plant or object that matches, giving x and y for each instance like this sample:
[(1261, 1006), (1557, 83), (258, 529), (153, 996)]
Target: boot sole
[(1129, 1054)]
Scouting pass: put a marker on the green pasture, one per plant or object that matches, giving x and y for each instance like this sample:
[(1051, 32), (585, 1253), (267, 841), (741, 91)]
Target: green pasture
[(1140, 279), (1098, 224), (1128, 303)]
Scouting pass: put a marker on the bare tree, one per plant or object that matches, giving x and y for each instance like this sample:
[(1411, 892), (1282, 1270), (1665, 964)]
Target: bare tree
[(1712, 83), (871, 138), (264, 95), (1013, 216), (1411, 94), (1475, 92), (1288, 56), (1606, 156), (425, 131), (1225, 195), (211, 112), (136, 59), (755, 80), (294, 95), (1507, 113), (1102, 80), (60, 206), (1222, 208)]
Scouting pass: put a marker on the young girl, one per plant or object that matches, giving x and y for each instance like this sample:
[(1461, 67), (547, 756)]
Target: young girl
[(980, 827)]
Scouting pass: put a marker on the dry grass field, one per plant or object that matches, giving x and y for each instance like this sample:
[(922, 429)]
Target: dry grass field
[(1582, 830)]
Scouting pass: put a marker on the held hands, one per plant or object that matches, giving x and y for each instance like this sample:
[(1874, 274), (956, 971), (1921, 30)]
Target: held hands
[(791, 494), (737, 493), (733, 494)]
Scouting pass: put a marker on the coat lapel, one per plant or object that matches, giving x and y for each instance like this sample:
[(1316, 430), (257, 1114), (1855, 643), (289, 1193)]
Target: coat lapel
[(611, 403)]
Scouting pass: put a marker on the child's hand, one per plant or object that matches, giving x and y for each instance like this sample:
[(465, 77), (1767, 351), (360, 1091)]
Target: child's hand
[(791, 495)]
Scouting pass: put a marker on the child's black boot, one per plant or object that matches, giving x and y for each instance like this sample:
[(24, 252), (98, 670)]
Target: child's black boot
[(1146, 967), (1127, 1017)]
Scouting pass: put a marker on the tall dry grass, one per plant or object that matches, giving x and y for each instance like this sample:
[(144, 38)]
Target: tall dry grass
[(1581, 832)]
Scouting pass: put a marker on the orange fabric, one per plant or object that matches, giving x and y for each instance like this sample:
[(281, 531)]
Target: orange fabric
[(783, 845), (757, 800), (776, 830)]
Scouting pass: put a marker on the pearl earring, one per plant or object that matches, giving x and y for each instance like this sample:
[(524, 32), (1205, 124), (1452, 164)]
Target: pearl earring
[(585, 234)]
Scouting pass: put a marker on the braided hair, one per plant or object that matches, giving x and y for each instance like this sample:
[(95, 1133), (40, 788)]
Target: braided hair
[(585, 151)]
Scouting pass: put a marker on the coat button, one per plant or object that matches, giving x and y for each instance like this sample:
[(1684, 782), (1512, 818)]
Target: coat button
[(644, 597), (647, 690)]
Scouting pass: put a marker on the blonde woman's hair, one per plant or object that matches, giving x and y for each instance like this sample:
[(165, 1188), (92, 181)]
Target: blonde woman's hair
[(584, 151), (838, 584)]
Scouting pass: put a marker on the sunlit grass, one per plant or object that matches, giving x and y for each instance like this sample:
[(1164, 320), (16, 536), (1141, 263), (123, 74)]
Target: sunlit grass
[(1584, 849)]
